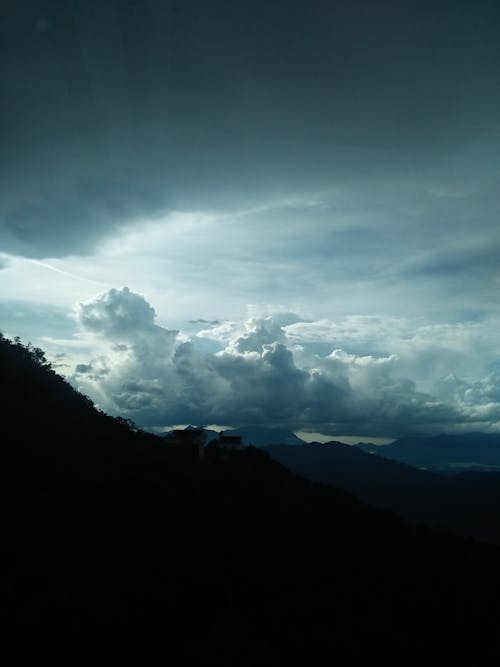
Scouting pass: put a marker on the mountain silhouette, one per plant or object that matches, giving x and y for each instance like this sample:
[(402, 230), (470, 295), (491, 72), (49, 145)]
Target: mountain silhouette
[(262, 435), (466, 503), (443, 453), (110, 538)]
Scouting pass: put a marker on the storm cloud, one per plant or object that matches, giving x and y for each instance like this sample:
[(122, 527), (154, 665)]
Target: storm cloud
[(307, 193), (118, 111), (158, 377)]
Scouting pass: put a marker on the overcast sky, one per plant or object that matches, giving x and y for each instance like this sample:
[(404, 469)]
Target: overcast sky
[(278, 213)]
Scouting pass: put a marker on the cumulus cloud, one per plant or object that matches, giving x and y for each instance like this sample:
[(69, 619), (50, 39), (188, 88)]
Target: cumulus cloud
[(156, 377), (117, 314), (82, 369), (477, 400), (259, 331)]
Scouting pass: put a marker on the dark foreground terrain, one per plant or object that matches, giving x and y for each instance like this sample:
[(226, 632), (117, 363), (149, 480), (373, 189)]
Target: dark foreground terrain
[(467, 504), (115, 544)]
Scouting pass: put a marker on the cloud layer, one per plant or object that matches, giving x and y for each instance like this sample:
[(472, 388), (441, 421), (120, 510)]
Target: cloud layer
[(318, 183), (114, 112), (270, 371)]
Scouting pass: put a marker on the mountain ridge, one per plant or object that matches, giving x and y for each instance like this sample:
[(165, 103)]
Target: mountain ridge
[(467, 503), (446, 453), (108, 532)]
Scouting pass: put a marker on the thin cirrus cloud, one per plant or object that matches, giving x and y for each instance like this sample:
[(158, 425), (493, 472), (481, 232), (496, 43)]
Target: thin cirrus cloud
[(347, 251), (261, 374)]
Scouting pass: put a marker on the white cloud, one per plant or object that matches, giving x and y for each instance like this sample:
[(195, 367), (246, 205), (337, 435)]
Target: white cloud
[(118, 314), (379, 251), (157, 376)]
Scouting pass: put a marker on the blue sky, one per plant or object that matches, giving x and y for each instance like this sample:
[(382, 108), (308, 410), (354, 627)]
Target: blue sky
[(265, 213)]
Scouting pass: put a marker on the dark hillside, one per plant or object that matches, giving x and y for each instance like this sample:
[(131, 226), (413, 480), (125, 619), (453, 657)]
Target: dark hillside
[(109, 534), (467, 503)]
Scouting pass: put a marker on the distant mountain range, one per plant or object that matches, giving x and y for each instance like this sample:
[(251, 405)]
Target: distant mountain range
[(467, 503), (458, 488), (448, 454), (443, 453)]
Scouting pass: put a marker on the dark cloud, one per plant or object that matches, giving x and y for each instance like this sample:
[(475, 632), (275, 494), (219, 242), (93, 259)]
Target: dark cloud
[(116, 110), (202, 321), (69, 218), (83, 368)]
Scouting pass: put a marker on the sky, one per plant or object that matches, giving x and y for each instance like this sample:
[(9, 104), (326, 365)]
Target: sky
[(273, 213)]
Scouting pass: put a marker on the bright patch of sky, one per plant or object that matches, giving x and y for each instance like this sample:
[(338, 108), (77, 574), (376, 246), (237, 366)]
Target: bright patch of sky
[(304, 212)]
